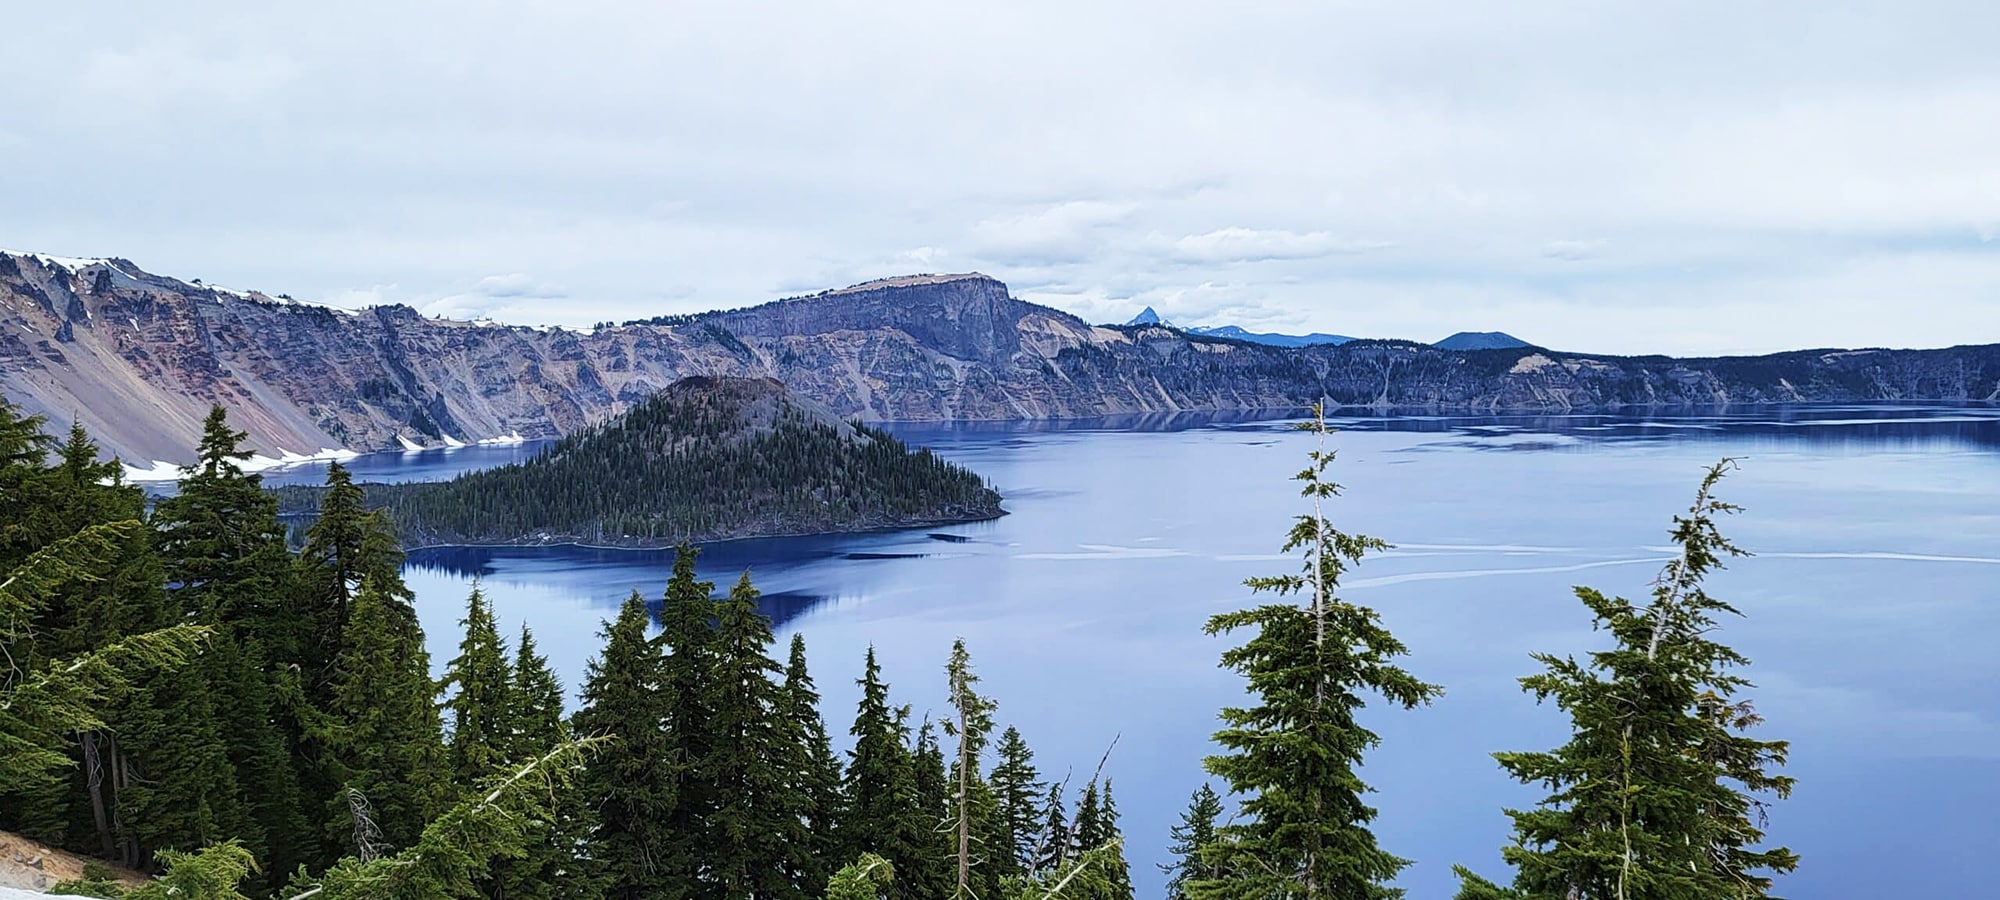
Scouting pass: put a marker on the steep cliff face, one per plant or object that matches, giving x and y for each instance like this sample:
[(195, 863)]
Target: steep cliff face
[(138, 358)]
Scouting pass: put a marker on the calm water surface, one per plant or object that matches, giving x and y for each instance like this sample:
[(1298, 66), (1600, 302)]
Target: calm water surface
[(1870, 606)]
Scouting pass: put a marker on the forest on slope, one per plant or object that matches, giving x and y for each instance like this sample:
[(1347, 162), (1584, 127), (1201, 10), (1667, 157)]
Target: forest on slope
[(705, 459)]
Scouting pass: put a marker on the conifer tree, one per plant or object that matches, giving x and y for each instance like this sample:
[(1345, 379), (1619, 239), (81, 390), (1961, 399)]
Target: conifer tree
[(551, 864), (222, 543), (929, 820), (1017, 794), (883, 816), (1117, 872), (973, 723), (480, 704), (1087, 831), (1053, 842), (43, 705), (817, 770), (1657, 795), (346, 545), (759, 815), (687, 665), (387, 745), (1191, 840), (628, 783), (1292, 755)]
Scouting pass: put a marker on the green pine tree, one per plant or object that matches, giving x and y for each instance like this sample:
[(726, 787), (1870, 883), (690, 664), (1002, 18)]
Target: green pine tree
[(346, 545), (480, 704), (1017, 793), (688, 664), (629, 783), (1292, 755), (759, 815), (883, 816), (222, 543), (552, 863), (816, 769), (1657, 795), (928, 823), (43, 705), (1052, 842), (971, 803), (1191, 840), (386, 748), (1117, 872)]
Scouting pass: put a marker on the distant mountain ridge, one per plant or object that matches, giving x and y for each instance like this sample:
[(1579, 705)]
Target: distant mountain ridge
[(138, 358)]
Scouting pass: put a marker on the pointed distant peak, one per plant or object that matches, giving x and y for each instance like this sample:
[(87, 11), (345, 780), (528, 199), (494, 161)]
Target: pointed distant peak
[(1147, 317)]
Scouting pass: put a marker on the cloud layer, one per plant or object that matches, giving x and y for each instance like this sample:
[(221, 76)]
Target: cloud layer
[(1686, 178)]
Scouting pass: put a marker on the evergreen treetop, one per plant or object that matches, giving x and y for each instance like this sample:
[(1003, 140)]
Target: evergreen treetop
[(1303, 828), (1658, 795)]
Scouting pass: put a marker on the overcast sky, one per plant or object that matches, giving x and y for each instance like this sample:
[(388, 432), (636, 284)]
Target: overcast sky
[(1665, 177)]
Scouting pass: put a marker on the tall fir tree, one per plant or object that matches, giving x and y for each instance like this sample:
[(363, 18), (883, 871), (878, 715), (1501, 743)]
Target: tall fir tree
[(224, 548), (1292, 754), (1052, 843), (480, 703), (1191, 838), (883, 816), (1658, 795), (759, 814), (386, 744), (1117, 871), (552, 864), (929, 874), (687, 638), (1017, 793), (628, 784), (817, 771), (971, 804), (346, 545)]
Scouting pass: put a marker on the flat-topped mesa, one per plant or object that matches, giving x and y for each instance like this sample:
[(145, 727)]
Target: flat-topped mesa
[(968, 316), (918, 280)]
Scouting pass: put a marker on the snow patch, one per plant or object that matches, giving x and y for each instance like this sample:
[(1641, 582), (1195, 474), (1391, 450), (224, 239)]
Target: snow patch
[(450, 441), (160, 471), (72, 263), (514, 438), (166, 471), (409, 446), (1533, 362)]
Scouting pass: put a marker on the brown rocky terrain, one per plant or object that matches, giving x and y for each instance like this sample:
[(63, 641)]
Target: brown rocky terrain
[(138, 358)]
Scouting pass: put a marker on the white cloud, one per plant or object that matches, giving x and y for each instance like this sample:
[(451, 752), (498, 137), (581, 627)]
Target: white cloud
[(1572, 251), (1063, 233), (516, 284), (1112, 155), (115, 82), (1225, 245)]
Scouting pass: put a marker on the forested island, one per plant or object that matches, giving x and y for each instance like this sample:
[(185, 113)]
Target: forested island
[(704, 459)]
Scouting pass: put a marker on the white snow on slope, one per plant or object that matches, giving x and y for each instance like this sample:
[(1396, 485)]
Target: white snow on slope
[(166, 471), (72, 263)]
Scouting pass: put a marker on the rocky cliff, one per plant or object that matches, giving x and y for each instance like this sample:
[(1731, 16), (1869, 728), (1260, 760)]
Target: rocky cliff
[(139, 357)]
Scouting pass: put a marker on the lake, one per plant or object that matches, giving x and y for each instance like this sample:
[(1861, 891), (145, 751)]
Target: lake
[(1870, 606)]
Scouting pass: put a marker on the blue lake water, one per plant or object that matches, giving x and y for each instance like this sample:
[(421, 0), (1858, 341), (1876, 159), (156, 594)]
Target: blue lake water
[(1871, 606)]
